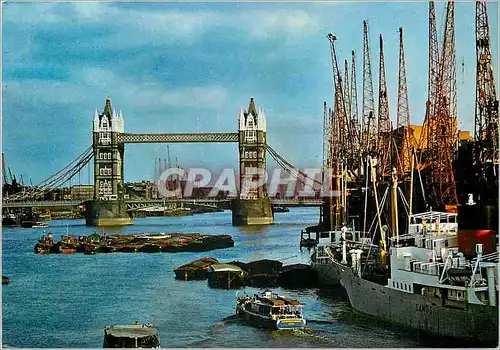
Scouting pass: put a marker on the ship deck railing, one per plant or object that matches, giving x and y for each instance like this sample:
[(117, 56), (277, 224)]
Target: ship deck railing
[(435, 215), (428, 268), (428, 234)]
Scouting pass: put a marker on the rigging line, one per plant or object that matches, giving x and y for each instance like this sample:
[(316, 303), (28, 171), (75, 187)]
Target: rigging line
[(405, 206), (403, 199), (382, 202), (366, 199)]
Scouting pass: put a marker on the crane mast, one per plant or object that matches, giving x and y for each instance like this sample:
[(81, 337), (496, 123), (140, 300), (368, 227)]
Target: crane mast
[(405, 138), (339, 102), (355, 125), (384, 121), (368, 122), (426, 136), (444, 131), (347, 94), (486, 116)]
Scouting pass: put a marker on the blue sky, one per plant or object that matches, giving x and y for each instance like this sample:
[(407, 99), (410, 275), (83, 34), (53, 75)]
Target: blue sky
[(189, 67)]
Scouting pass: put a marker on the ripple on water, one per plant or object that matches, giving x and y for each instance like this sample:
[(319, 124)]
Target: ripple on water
[(67, 300)]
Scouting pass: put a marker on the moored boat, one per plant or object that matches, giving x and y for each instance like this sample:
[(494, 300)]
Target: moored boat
[(45, 244), (33, 224), (432, 285), (270, 310), (451, 297)]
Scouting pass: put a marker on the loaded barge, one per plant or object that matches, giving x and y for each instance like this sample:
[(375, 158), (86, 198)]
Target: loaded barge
[(141, 243)]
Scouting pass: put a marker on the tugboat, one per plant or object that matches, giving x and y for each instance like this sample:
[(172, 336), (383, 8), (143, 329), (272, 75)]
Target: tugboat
[(270, 310), (131, 336)]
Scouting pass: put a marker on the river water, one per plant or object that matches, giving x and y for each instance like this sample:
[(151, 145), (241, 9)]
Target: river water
[(67, 300)]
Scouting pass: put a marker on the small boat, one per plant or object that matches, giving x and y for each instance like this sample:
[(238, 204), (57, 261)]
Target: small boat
[(33, 224), (10, 220), (270, 310), (131, 336), (281, 209), (5, 280), (45, 244)]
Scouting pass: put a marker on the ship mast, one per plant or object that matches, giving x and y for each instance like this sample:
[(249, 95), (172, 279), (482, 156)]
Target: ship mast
[(394, 206)]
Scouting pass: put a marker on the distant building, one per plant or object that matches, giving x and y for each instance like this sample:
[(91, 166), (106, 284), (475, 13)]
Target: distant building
[(82, 192), (418, 130), (142, 189)]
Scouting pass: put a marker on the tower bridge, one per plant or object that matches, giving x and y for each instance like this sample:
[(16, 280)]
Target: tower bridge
[(110, 206), (252, 206)]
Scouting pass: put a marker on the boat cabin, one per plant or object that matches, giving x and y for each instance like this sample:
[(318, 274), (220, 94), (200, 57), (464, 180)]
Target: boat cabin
[(334, 239), (273, 304), (434, 266), (433, 222)]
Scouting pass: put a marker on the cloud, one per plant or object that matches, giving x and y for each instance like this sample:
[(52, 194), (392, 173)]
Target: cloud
[(85, 83), (281, 22), (144, 24)]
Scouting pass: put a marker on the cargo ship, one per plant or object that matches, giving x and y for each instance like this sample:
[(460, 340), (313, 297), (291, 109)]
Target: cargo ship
[(439, 282)]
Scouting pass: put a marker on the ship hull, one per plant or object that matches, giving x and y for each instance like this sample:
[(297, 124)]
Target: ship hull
[(478, 323), (328, 274)]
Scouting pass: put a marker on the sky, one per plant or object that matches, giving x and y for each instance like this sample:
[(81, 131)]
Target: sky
[(190, 67)]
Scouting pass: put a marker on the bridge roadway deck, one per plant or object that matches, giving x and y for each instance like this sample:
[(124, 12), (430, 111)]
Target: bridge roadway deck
[(139, 202), (178, 138)]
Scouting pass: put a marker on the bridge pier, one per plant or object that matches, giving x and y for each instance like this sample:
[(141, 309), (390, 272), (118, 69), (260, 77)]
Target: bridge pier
[(252, 211), (106, 213)]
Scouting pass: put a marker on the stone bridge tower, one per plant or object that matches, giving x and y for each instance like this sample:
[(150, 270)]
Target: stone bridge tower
[(253, 206), (108, 206)]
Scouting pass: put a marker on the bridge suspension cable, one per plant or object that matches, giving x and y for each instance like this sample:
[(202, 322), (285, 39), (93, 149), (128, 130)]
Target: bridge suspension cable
[(58, 178), (290, 168)]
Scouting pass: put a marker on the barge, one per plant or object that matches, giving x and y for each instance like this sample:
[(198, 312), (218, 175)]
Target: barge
[(131, 336)]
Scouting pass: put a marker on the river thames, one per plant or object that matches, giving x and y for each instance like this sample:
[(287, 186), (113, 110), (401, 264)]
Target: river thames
[(67, 300)]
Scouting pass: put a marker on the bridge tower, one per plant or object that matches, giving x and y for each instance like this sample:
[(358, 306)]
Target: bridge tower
[(253, 206), (108, 207)]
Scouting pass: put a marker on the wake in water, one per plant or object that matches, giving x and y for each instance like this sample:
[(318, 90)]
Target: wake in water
[(226, 320)]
